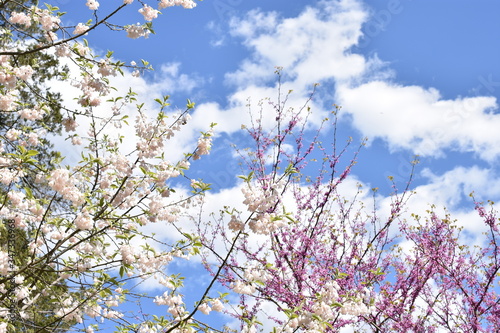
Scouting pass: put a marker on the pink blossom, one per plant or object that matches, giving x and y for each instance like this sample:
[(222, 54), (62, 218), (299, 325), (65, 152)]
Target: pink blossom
[(23, 72), (184, 3), (136, 31), (76, 140), (7, 102), (81, 49), (217, 305), (63, 50), (69, 124), (128, 256), (105, 69), (48, 21), (241, 287), (149, 13), (235, 224), (4, 60), (50, 36), (21, 293), (31, 114), (37, 210), (92, 4), (204, 308), (20, 18), (12, 134), (61, 181), (33, 139), (9, 176), (204, 145), (4, 263), (84, 221), (80, 29), (9, 80)]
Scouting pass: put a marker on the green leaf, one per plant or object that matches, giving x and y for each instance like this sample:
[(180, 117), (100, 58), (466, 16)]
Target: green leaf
[(123, 270), (248, 178), (31, 153), (290, 169)]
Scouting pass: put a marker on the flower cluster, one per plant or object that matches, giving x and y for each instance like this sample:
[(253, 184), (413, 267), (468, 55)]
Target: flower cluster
[(135, 31), (35, 113), (4, 263), (20, 18), (61, 181), (106, 69), (9, 78), (149, 13), (242, 287), (204, 145), (84, 221), (235, 224), (44, 17), (354, 308), (92, 88), (184, 3), (263, 201), (262, 198), (92, 4), (80, 29), (154, 134)]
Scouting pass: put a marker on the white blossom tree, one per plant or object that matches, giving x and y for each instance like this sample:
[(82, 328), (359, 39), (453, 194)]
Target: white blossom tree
[(73, 233)]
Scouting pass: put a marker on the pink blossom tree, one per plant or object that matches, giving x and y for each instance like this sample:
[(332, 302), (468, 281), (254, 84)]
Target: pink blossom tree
[(306, 258)]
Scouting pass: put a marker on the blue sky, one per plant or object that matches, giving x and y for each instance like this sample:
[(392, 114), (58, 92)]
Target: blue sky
[(415, 77)]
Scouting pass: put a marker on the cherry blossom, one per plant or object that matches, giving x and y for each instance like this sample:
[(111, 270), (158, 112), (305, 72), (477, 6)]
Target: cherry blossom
[(92, 4), (80, 29), (149, 13), (20, 18)]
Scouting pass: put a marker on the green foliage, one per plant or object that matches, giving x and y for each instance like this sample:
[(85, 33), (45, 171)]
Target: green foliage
[(42, 276)]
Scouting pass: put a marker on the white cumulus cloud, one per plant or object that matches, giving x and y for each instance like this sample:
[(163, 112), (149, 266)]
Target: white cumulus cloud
[(420, 120)]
